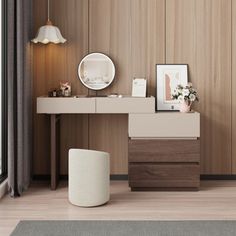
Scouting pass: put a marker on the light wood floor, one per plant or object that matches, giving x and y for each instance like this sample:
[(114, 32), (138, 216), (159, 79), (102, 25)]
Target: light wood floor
[(215, 200)]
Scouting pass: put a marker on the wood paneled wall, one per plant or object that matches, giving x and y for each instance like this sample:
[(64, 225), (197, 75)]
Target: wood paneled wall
[(198, 33), (137, 34)]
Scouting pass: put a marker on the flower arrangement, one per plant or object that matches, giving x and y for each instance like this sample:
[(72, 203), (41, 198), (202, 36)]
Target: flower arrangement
[(185, 93)]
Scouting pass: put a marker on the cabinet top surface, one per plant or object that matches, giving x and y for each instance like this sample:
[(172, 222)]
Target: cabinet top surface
[(85, 104), (94, 97)]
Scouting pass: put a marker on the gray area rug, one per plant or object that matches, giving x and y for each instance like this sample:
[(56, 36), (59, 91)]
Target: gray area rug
[(125, 228)]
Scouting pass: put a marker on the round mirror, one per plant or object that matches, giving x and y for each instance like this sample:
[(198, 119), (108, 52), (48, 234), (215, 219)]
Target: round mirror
[(96, 71)]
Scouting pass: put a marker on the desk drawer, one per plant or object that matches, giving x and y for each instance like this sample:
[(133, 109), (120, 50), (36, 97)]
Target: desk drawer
[(125, 105), (164, 175), (62, 105), (164, 150), (164, 125)]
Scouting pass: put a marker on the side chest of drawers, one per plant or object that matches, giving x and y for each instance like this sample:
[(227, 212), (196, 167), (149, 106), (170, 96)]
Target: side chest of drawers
[(164, 151)]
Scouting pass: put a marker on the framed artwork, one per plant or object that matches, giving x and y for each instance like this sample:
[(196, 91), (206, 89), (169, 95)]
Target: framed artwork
[(168, 77)]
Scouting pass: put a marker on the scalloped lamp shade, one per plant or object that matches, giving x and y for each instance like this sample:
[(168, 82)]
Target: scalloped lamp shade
[(49, 34)]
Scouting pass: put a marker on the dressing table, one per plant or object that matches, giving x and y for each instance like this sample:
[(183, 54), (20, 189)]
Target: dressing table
[(164, 147), (175, 134)]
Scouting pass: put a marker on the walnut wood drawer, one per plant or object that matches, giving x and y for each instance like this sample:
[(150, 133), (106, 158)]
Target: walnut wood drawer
[(164, 175), (164, 150)]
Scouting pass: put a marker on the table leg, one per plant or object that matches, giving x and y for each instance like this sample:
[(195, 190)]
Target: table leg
[(55, 159)]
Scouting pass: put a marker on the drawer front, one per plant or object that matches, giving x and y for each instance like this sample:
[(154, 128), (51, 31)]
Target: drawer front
[(164, 125), (125, 105), (164, 150), (164, 175), (62, 105)]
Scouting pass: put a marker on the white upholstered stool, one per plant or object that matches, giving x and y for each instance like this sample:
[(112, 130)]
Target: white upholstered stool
[(89, 177)]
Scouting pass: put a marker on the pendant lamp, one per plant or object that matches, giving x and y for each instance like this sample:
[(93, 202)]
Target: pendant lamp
[(49, 33)]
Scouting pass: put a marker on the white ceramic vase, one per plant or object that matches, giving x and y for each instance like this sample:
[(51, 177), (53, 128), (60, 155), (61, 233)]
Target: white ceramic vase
[(185, 106)]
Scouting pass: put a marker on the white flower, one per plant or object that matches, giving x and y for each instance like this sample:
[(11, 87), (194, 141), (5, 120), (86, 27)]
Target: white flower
[(192, 97), (179, 91), (175, 92), (185, 92), (181, 98)]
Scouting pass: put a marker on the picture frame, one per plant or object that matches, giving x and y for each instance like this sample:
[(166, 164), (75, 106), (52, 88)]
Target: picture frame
[(168, 76), (139, 87)]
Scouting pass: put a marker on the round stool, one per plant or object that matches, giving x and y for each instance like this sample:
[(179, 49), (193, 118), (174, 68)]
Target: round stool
[(89, 177)]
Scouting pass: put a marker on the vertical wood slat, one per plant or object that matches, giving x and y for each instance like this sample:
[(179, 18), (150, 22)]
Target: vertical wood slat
[(55, 63), (41, 124), (109, 33), (132, 34), (233, 87), (73, 21), (198, 33), (147, 40)]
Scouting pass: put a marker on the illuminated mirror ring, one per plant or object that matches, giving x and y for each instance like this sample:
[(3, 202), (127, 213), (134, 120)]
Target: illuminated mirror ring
[(96, 71)]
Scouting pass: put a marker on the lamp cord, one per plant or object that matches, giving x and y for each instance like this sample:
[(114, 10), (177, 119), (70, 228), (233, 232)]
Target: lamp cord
[(48, 11)]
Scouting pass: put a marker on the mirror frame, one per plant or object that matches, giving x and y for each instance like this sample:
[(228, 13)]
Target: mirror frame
[(79, 66)]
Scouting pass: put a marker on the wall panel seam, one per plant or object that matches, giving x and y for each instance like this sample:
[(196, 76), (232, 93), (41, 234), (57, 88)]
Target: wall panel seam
[(231, 66)]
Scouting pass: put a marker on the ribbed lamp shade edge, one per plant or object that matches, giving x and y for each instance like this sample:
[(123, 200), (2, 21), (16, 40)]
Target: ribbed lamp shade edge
[(49, 34)]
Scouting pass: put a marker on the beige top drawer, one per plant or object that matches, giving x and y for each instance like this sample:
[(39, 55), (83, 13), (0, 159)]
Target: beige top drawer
[(164, 125), (125, 105), (65, 105)]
